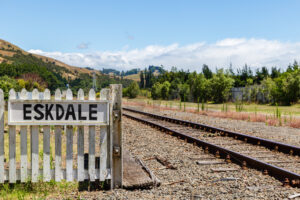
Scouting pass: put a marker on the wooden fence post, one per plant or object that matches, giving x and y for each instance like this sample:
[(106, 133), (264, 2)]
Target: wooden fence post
[(80, 145), (35, 145), (69, 145), (12, 146), (116, 135), (24, 164), (92, 130), (46, 145), (58, 144), (104, 145)]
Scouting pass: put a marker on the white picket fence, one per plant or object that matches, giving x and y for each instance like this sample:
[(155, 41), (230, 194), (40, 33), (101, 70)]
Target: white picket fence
[(110, 166)]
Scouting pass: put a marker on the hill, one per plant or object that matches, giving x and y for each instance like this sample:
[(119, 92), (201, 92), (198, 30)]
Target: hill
[(19, 69), (11, 53)]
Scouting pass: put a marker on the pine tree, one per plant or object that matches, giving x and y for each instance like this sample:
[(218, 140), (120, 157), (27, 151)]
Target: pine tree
[(142, 80)]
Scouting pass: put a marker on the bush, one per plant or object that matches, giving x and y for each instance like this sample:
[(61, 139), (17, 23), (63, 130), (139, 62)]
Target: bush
[(156, 91), (132, 91), (287, 88), (7, 83), (165, 89)]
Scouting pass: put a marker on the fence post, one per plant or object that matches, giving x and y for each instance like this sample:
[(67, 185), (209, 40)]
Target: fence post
[(2, 107), (104, 138), (116, 135), (35, 145), (46, 145), (69, 144), (80, 145), (58, 144), (92, 130), (12, 146), (24, 164)]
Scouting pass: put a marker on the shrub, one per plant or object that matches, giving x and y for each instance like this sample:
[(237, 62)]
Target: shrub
[(133, 90)]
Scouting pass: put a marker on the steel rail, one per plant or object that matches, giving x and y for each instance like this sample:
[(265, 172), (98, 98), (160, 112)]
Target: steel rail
[(278, 146), (287, 177)]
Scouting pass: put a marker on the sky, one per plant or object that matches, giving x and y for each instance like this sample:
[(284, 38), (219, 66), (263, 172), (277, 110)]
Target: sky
[(135, 34)]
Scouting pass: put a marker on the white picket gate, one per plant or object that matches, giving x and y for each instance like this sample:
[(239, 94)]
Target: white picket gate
[(110, 162)]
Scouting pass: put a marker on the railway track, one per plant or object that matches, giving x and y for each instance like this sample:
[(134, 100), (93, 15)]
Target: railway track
[(273, 158)]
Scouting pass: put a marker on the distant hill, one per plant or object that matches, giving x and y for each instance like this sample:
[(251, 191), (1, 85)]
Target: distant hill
[(18, 64), (133, 74), (11, 53)]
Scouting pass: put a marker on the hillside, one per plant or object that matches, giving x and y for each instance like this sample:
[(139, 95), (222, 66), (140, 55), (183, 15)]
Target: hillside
[(21, 69), (10, 53)]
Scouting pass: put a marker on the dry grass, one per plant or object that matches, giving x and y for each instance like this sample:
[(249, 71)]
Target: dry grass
[(269, 119)]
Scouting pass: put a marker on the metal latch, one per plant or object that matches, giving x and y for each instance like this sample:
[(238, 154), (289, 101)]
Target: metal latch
[(116, 114), (117, 151)]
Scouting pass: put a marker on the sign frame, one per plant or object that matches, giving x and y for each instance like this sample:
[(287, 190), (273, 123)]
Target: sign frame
[(60, 122)]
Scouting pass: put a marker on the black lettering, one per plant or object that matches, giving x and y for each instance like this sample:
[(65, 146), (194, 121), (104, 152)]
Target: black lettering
[(80, 117), (48, 111), (60, 115), (70, 111), (25, 111), (38, 111), (92, 111)]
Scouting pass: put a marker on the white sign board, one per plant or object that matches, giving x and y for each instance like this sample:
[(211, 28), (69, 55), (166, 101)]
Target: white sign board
[(63, 112)]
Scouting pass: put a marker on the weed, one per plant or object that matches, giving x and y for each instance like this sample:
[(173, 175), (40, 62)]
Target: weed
[(202, 105), (238, 106)]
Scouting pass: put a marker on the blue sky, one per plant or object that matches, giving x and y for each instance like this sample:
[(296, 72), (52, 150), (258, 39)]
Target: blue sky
[(114, 33)]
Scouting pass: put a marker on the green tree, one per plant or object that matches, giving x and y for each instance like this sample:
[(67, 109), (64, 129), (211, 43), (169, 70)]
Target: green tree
[(142, 80), (165, 88), (156, 90), (133, 90), (207, 72), (287, 89), (184, 91), (198, 86), (220, 86)]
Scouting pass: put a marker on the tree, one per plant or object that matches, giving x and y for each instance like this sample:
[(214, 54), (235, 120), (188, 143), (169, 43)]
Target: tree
[(287, 88), (156, 91), (142, 80), (268, 86), (133, 90), (220, 86), (275, 72), (184, 91), (207, 72), (198, 86), (165, 88)]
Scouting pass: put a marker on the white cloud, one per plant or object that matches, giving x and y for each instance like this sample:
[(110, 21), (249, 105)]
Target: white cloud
[(238, 51)]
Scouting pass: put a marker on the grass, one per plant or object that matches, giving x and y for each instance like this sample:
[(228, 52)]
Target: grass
[(270, 115), (246, 107), (38, 190)]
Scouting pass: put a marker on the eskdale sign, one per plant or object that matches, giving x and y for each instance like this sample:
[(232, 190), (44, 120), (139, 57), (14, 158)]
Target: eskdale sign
[(67, 112)]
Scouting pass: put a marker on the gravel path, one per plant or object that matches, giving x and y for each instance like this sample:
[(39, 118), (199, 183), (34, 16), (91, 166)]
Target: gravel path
[(281, 134)]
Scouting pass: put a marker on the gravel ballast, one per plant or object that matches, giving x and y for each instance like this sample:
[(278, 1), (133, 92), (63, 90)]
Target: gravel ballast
[(145, 142), (281, 134)]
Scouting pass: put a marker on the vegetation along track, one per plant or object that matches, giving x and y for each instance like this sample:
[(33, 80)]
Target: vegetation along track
[(276, 159)]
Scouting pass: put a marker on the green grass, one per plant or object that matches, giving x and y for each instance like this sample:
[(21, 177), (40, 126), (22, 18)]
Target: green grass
[(38, 190)]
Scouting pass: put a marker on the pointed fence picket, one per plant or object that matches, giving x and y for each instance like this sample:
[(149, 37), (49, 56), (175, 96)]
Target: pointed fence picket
[(34, 170)]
